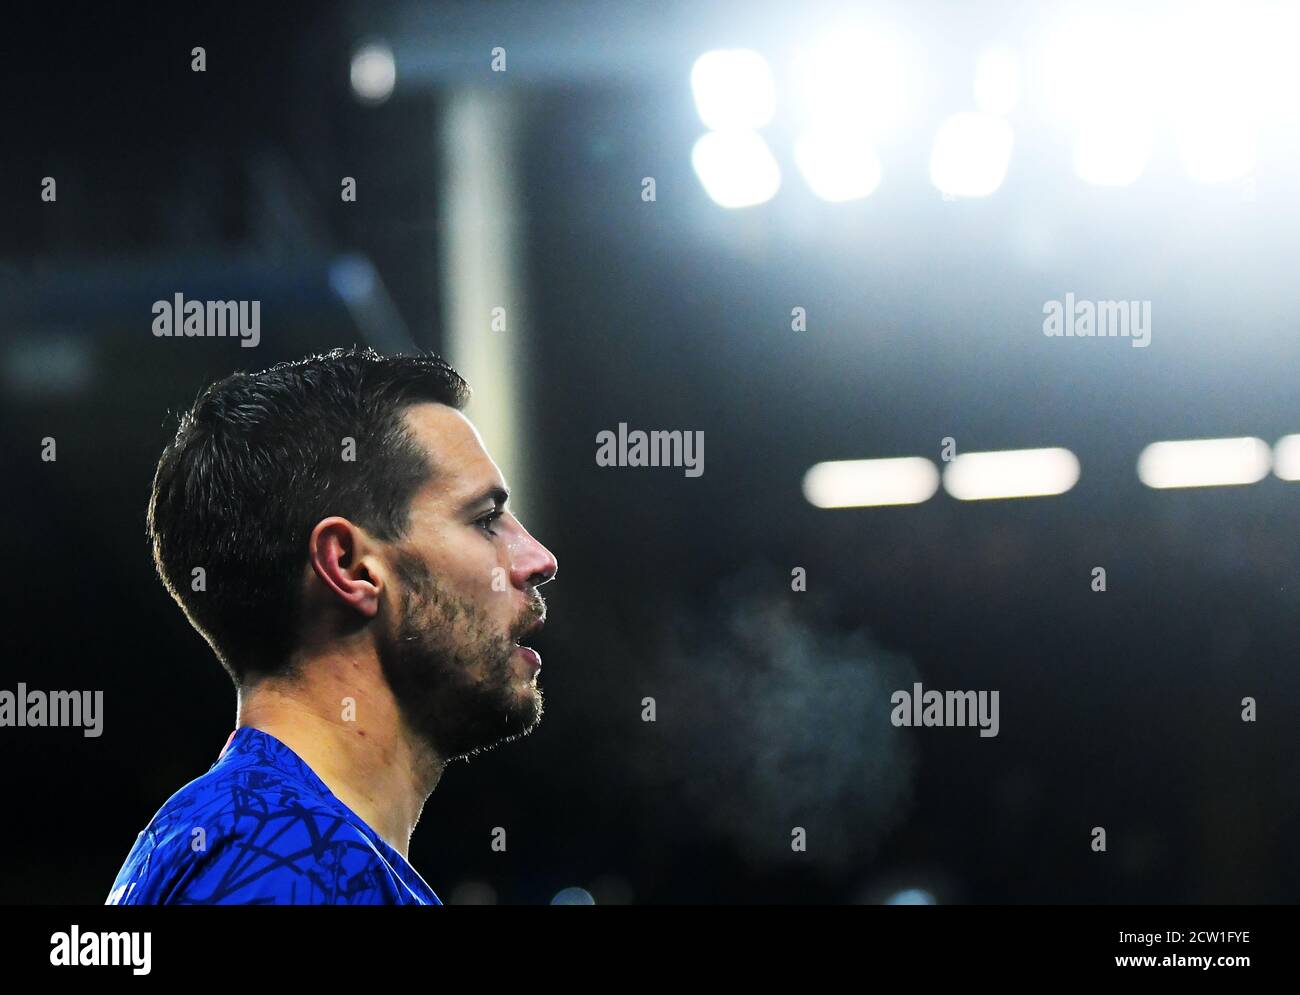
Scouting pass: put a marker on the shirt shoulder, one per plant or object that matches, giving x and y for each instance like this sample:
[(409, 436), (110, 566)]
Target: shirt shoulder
[(251, 832)]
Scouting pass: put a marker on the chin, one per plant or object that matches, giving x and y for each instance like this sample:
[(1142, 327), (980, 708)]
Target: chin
[(535, 694)]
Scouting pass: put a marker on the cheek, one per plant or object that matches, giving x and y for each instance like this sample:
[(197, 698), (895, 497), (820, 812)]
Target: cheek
[(474, 568)]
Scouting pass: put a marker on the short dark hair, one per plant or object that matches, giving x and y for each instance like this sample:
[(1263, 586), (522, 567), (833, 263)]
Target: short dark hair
[(258, 461)]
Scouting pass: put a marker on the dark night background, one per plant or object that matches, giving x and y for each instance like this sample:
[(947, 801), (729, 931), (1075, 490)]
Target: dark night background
[(1118, 709)]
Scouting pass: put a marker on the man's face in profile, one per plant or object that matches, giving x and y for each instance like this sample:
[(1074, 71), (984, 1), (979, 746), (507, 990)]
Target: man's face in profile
[(465, 594)]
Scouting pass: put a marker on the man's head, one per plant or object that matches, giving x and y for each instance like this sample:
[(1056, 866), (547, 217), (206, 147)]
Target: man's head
[(343, 502)]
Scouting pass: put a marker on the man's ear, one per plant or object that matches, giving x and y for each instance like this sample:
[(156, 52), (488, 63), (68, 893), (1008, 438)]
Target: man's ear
[(340, 554)]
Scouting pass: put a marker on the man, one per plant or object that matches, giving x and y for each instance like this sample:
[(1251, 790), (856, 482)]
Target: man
[(335, 530)]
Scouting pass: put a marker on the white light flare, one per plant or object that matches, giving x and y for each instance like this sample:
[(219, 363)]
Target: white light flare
[(1107, 79), (1012, 473), (734, 90), (1286, 458), (997, 80), (1204, 463), (870, 483), (838, 165), (971, 154), (736, 168), (374, 73), (856, 80)]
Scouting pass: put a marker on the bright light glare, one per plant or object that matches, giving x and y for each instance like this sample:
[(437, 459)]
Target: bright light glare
[(870, 482), (1209, 74), (374, 72), (736, 168), (1106, 79), (573, 896), (1011, 474), (855, 80), (911, 896), (1279, 70), (997, 80), (733, 89), (1217, 145), (1095, 67), (838, 165), (1286, 457), (1204, 463), (1221, 86), (971, 154), (1113, 152)]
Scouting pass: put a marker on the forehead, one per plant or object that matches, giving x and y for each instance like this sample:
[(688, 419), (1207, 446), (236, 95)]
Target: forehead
[(462, 465)]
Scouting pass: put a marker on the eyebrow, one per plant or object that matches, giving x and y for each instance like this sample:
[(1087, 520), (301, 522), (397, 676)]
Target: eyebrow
[(497, 495)]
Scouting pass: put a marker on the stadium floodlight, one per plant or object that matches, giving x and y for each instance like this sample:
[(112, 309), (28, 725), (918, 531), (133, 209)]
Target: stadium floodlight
[(855, 80), (736, 168), (1218, 58), (1286, 458), (869, 483), (1217, 142), (1012, 473), (1113, 152), (997, 80), (1106, 79), (971, 154), (734, 90), (374, 73), (1204, 463), (1096, 66), (837, 164)]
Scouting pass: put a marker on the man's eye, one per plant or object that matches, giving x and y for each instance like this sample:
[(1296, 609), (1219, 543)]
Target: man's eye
[(487, 521)]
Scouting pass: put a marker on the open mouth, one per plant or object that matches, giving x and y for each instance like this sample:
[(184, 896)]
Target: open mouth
[(532, 629), (527, 653)]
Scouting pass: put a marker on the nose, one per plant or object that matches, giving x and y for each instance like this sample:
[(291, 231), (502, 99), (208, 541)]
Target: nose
[(531, 563)]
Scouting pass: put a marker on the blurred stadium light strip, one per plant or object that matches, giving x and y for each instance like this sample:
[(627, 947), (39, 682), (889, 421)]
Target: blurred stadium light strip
[(1204, 463), (1286, 458), (486, 310), (1011, 473), (870, 482)]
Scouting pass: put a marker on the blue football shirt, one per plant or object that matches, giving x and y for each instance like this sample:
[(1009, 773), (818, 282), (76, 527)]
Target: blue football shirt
[(260, 828)]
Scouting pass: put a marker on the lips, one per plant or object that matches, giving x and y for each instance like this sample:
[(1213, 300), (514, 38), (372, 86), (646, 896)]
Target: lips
[(527, 653)]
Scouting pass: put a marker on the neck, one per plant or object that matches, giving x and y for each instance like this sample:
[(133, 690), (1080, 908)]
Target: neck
[(360, 747)]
